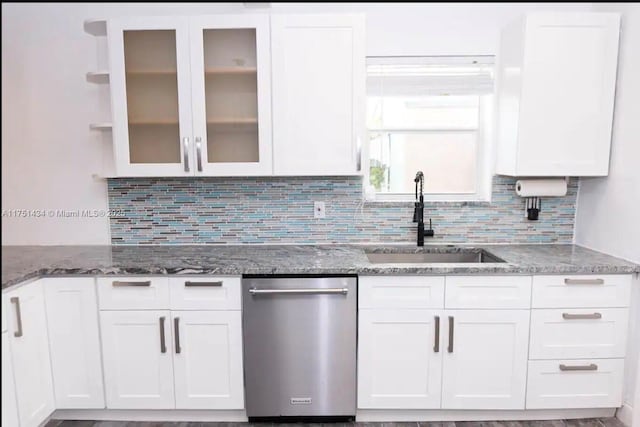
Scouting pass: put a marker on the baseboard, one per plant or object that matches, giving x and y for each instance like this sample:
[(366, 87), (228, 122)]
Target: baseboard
[(169, 415), (372, 415), (625, 414), (399, 415)]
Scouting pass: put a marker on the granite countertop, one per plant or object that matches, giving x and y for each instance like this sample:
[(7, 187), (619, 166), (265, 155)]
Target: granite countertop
[(20, 263)]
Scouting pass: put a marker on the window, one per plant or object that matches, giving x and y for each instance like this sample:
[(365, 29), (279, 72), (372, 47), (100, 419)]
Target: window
[(429, 114)]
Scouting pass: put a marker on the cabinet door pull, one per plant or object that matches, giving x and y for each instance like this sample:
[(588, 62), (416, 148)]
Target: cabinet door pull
[(163, 344), (199, 153), (590, 367), (450, 348), (584, 281), (176, 332), (18, 332), (436, 339), (569, 316), (358, 154), (117, 283), (185, 153), (204, 284)]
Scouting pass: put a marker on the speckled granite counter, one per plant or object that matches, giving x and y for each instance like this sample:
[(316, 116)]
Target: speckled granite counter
[(20, 263)]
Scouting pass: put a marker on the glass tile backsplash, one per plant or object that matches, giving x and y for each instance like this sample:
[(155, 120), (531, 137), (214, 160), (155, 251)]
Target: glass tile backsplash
[(280, 210)]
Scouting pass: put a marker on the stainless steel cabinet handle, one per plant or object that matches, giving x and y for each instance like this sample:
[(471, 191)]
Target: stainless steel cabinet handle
[(199, 153), (185, 153), (196, 284), (436, 339), (117, 283), (163, 344), (176, 332), (569, 316), (315, 291), (590, 367), (450, 348), (584, 281), (358, 154), (18, 332)]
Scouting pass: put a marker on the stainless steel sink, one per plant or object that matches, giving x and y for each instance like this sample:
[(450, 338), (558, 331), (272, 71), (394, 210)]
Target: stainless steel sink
[(478, 256)]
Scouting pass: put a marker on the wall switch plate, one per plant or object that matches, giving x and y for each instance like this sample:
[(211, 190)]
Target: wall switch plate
[(318, 210)]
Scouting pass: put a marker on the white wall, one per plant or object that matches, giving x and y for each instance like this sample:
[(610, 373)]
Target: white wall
[(608, 218), (48, 153)]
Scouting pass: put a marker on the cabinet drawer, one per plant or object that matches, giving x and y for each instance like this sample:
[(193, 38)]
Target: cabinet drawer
[(578, 333), (401, 292), (133, 293), (205, 293), (564, 384), (488, 292), (603, 290)]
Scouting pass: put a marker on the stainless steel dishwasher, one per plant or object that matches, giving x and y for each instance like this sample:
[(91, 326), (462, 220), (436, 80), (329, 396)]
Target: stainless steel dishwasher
[(300, 347)]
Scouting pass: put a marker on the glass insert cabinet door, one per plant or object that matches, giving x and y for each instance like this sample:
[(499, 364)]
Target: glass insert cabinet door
[(230, 83), (150, 90)]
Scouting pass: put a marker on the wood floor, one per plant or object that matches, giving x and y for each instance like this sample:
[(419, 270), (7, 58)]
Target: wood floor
[(591, 422)]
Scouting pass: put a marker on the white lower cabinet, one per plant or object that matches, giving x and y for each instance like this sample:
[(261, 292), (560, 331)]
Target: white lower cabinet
[(9, 405), (467, 351), (74, 342), (399, 359), (578, 333), (138, 363), (432, 358), (583, 383), (29, 345), (485, 360), (207, 359), (175, 359)]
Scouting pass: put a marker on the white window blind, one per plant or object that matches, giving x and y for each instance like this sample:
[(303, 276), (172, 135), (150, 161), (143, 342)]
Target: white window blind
[(430, 75)]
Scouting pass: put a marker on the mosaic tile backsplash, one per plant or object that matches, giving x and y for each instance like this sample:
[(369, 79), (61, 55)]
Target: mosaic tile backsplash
[(280, 210)]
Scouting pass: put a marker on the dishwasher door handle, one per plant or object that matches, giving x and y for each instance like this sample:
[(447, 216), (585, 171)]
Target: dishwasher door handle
[(310, 291)]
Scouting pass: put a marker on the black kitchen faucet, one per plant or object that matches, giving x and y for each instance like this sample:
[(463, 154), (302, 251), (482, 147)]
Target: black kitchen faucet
[(418, 211)]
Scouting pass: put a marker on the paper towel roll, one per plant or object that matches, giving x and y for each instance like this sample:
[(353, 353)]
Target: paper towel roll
[(541, 187)]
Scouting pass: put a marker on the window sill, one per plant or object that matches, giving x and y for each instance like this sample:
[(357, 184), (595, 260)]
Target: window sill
[(442, 199), (410, 203)]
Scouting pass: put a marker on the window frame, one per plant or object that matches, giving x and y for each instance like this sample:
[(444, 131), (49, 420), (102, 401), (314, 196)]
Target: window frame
[(484, 159), (483, 163)]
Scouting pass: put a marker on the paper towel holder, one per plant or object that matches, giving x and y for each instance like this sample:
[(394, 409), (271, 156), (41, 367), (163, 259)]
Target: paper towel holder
[(533, 189)]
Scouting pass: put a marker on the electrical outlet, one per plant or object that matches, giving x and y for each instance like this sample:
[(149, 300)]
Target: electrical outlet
[(318, 210)]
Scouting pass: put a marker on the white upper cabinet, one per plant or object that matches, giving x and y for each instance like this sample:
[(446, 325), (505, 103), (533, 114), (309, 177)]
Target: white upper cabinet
[(231, 94), (556, 87), (150, 95), (191, 95), (318, 64)]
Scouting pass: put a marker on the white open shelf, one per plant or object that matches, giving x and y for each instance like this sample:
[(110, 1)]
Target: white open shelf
[(101, 126), (100, 77), (95, 27)]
